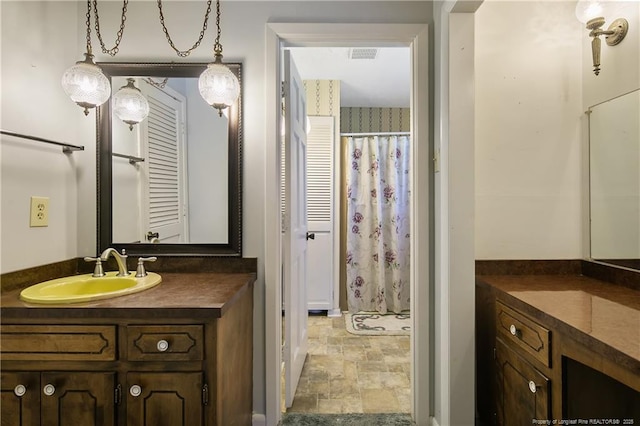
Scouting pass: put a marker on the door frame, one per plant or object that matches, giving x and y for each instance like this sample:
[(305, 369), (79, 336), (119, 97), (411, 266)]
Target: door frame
[(414, 36)]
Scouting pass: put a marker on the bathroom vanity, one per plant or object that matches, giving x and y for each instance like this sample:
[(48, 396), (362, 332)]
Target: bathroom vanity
[(177, 354), (557, 347)]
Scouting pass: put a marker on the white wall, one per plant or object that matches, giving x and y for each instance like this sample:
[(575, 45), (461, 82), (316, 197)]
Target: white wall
[(52, 45), (620, 74), (33, 103), (528, 148)]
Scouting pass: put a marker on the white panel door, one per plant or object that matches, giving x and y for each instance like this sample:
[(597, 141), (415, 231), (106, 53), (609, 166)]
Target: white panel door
[(295, 228), (164, 190), (320, 177)]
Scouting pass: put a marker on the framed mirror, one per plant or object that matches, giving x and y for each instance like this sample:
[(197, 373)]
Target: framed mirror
[(614, 180), (171, 185)]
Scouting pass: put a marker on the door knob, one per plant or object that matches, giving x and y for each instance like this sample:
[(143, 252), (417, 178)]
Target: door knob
[(311, 236)]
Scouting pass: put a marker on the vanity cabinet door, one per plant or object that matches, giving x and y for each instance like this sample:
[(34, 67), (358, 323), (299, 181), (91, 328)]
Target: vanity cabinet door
[(158, 399), (523, 393), (20, 401), (74, 398)]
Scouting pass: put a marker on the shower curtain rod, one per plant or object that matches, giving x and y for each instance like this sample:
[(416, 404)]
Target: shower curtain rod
[(377, 134)]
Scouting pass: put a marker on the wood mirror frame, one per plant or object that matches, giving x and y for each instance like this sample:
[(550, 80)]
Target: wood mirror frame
[(233, 247)]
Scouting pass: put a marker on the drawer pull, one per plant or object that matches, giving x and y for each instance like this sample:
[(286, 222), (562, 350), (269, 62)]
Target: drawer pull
[(532, 386), (20, 390), (514, 330), (135, 390), (162, 345), (49, 389)]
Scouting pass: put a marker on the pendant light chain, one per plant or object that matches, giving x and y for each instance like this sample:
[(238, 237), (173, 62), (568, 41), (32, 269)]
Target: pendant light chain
[(114, 50), (89, 50), (185, 53), (217, 47)]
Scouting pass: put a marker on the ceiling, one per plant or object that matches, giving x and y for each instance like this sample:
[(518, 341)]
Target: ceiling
[(381, 82)]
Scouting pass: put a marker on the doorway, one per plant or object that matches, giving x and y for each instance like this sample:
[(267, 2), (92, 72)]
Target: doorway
[(357, 100), (415, 37)]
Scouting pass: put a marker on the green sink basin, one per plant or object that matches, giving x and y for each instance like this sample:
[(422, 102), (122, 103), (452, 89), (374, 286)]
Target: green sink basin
[(85, 288)]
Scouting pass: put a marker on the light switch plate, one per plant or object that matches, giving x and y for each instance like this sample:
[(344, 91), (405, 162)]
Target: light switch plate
[(39, 211)]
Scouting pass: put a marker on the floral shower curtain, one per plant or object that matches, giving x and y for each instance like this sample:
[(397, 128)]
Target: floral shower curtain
[(377, 255)]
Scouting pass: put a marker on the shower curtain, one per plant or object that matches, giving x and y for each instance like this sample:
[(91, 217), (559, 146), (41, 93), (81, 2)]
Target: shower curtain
[(377, 255)]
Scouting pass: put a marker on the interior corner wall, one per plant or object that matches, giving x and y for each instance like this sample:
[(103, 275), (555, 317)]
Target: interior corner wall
[(528, 147)]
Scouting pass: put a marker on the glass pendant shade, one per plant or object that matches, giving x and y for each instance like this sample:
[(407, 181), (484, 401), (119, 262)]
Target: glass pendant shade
[(218, 85), (130, 105), (85, 84)]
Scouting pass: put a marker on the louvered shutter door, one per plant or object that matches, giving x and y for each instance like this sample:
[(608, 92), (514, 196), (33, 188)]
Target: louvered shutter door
[(164, 194), (320, 173), (164, 190)]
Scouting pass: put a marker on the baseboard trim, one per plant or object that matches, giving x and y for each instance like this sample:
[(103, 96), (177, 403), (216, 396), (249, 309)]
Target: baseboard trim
[(259, 420), (334, 313)]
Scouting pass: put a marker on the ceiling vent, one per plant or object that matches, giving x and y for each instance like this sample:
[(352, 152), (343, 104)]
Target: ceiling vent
[(363, 53)]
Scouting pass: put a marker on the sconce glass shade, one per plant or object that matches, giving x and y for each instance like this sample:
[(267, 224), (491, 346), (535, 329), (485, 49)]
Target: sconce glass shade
[(586, 10), (218, 85), (85, 84), (130, 105)]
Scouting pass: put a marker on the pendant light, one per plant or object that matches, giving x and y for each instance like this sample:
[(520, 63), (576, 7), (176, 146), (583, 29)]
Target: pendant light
[(85, 82), (130, 105), (218, 85)]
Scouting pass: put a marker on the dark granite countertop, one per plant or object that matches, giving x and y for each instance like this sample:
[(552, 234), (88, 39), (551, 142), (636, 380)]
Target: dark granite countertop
[(603, 316), (208, 294)]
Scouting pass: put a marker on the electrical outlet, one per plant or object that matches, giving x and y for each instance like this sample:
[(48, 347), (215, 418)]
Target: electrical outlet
[(39, 211)]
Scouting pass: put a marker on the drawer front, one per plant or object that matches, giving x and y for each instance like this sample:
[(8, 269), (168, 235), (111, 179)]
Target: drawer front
[(165, 343), (60, 342), (524, 333)]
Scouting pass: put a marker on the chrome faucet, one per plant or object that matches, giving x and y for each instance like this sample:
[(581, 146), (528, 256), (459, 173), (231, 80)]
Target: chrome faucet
[(121, 259)]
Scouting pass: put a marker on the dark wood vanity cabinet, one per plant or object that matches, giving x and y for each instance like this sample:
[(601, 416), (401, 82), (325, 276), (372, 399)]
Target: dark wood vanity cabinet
[(523, 392), (165, 398), (547, 351), (57, 398), (117, 366)]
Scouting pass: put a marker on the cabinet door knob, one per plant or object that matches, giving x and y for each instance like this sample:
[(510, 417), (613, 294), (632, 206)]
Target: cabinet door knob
[(49, 389), (20, 390), (513, 330), (162, 345), (532, 386), (135, 390)]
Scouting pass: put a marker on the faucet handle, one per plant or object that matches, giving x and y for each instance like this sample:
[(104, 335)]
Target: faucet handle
[(98, 271), (140, 271)]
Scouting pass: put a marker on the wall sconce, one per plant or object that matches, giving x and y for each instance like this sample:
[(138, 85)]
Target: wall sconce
[(590, 12)]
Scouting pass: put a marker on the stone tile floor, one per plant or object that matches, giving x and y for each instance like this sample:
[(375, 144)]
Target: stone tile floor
[(345, 373)]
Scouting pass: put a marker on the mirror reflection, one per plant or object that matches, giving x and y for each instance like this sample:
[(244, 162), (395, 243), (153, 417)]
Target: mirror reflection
[(614, 156), (178, 193), (172, 183)]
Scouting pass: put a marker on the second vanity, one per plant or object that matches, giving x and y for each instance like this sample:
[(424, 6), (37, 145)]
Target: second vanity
[(557, 347), (177, 354)]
